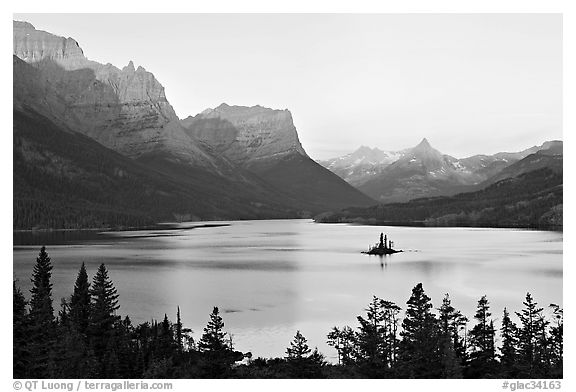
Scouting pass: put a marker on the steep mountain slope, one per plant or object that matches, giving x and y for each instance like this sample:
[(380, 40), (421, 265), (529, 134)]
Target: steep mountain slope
[(123, 109), (48, 98), (63, 179), (265, 142), (549, 155)]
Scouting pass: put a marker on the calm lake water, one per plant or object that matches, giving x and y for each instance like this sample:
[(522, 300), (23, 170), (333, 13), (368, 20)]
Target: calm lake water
[(271, 278)]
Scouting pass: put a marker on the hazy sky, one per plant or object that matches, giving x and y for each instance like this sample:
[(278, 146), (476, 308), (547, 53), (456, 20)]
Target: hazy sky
[(474, 83)]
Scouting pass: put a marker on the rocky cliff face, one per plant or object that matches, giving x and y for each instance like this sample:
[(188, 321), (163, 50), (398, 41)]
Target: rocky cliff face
[(124, 109), (246, 135)]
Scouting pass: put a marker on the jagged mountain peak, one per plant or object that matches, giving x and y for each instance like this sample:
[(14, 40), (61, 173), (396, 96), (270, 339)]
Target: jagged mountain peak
[(423, 145), (129, 67)]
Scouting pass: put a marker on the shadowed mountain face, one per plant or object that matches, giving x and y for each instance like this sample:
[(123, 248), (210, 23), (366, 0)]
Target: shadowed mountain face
[(265, 142), (64, 179)]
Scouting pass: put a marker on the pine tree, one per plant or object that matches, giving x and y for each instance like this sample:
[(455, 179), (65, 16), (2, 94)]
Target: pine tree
[(419, 354), (166, 344), (449, 339), (298, 349), (42, 332), (214, 337), (80, 302), (371, 335), (20, 330), (302, 361), (557, 341), (528, 338), (103, 317), (178, 332), (482, 335), (508, 352), (218, 356)]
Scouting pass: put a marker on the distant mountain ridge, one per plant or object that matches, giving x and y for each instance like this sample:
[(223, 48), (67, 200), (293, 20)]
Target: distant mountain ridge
[(421, 171), (533, 199)]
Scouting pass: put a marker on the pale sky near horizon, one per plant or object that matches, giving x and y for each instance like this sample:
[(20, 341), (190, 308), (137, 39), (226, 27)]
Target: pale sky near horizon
[(469, 83)]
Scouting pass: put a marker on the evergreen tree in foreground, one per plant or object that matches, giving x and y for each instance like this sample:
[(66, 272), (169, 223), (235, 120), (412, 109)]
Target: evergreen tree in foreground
[(42, 326), (302, 361), (483, 355), (508, 351), (218, 353), (528, 338), (449, 340), (178, 332), (80, 302), (20, 352), (345, 342), (103, 317), (557, 341), (419, 356), (214, 338)]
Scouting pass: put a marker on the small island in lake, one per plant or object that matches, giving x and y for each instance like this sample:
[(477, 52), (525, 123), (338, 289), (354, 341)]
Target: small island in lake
[(384, 247)]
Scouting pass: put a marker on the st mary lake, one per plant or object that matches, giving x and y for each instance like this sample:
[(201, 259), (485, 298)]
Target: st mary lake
[(271, 278)]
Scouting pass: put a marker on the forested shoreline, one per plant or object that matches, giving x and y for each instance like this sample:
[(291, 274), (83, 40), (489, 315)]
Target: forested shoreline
[(87, 338)]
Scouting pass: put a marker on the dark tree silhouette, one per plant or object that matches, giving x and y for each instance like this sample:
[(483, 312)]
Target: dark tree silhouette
[(80, 302), (449, 339), (419, 354), (42, 326), (102, 319), (20, 329), (482, 335), (556, 341), (508, 351), (528, 338), (302, 361), (430, 346)]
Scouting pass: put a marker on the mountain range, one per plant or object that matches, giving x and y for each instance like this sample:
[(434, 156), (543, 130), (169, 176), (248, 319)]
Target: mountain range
[(422, 171), (113, 138), (100, 146)]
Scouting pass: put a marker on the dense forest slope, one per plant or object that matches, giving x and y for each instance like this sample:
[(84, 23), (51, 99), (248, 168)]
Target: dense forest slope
[(532, 199)]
